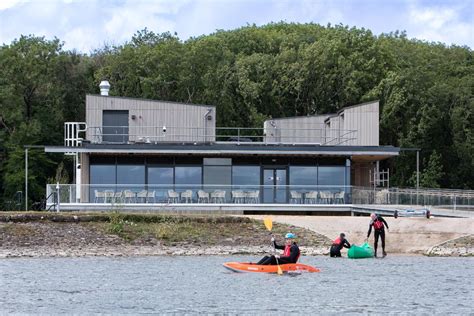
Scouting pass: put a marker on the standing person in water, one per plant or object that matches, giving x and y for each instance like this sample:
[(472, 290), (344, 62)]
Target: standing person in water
[(378, 223), (338, 244), (291, 252)]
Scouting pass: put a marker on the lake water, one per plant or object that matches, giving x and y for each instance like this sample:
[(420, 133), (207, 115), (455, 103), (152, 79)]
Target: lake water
[(396, 284)]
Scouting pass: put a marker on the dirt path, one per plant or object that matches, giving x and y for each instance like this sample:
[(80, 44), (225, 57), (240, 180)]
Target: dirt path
[(406, 235)]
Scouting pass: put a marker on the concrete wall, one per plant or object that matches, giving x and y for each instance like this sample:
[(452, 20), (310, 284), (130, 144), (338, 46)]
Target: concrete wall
[(184, 122)]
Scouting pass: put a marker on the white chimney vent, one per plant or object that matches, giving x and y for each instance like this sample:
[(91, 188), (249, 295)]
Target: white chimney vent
[(104, 87)]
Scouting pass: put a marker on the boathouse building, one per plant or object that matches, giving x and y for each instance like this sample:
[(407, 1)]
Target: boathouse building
[(147, 152)]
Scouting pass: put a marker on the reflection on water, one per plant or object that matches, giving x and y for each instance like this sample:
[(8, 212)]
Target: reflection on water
[(200, 284)]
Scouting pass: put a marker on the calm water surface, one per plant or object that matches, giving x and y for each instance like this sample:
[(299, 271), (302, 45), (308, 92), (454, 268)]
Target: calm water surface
[(193, 285)]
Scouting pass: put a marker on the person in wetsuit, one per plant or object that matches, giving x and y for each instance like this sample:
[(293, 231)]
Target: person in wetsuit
[(291, 252), (338, 244), (378, 223)]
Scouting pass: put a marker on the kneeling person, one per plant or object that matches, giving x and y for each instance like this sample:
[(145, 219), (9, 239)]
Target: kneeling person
[(338, 244), (291, 252)]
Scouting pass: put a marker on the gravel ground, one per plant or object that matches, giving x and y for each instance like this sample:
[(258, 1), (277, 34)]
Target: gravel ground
[(25, 236)]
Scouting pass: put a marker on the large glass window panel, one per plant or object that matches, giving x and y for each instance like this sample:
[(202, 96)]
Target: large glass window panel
[(131, 177), (160, 180), (188, 178), (331, 178), (160, 175), (102, 182), (303, 183), (246, 176), (246, 182), (300, 175), (188, 175)]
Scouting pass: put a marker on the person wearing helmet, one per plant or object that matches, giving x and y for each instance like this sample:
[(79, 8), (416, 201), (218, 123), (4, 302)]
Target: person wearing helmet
[(378, 223), (291, 252), (338, 244)]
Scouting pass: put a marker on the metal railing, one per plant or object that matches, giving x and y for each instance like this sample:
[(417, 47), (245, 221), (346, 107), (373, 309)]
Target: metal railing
[(440, 198), (195, 193), (160, 134), (256, 194)]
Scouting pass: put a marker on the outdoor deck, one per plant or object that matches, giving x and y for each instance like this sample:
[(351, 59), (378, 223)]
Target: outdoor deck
[(347, 200)]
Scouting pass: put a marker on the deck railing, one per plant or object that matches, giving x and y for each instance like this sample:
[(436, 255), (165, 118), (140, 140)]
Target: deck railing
[(255, 194), (196, 193)]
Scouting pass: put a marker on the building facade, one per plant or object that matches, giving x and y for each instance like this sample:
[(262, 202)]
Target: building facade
[(136, 151)]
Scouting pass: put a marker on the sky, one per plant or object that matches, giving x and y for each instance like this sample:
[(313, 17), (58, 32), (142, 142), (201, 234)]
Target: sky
[(89, 24)]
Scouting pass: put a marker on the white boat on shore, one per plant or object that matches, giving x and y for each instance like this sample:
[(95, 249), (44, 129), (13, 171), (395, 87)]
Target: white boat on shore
[(412, 213)]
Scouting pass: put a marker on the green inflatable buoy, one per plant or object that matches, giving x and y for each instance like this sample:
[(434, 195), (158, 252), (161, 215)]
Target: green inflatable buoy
[(359, 252)]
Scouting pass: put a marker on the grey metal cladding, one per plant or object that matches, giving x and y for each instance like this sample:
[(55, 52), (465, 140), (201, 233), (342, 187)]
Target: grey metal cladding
[(356, 125), (183, 122)]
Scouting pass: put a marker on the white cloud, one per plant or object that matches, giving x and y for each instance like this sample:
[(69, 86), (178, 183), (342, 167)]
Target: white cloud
[(7, 4), (125, 21), (442, 24), (86, 25)]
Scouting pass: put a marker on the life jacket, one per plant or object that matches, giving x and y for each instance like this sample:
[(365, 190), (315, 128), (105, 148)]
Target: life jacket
[(378, 224), (286, 252), (337, 241)]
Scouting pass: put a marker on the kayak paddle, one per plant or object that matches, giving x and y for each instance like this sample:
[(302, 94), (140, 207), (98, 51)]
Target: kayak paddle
[(269, 225)]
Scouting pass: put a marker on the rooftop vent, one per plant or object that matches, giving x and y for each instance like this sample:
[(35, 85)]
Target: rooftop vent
[(104, 87)]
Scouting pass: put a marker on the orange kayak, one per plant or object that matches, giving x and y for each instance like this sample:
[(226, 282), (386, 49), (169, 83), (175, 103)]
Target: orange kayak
[(252, 267)]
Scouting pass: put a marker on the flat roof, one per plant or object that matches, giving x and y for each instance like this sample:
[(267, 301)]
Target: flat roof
[(242, 149)]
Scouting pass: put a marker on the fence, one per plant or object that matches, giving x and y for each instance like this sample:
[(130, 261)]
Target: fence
[(441, 198), (258, 194), (160, 134)]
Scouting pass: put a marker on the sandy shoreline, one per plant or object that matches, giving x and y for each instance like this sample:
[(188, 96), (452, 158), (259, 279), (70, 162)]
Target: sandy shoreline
[(406, 235)]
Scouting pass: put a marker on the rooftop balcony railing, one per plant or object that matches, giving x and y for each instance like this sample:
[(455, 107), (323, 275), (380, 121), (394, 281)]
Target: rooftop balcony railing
[(316, 135)]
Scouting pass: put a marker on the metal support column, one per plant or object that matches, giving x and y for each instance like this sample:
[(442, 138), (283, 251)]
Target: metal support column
[(417, 174), (26, 179)]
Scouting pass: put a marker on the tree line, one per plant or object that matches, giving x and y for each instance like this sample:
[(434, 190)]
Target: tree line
[(250, 74)]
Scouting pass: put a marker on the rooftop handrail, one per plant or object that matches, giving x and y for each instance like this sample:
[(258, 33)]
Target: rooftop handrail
[(148, 134)]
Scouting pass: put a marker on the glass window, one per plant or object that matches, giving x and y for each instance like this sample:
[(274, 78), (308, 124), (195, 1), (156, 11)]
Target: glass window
[(160, 175), (131, 177), (160, 180), (188, 178), (246, 178), (303, 180), (102, 174), (188, 175), (303, 175), (102, 179), (331, 177)]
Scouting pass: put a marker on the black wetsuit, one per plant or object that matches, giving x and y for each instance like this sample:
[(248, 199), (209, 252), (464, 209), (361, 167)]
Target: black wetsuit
[(336, 247), (292, 258), (378, 232)]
